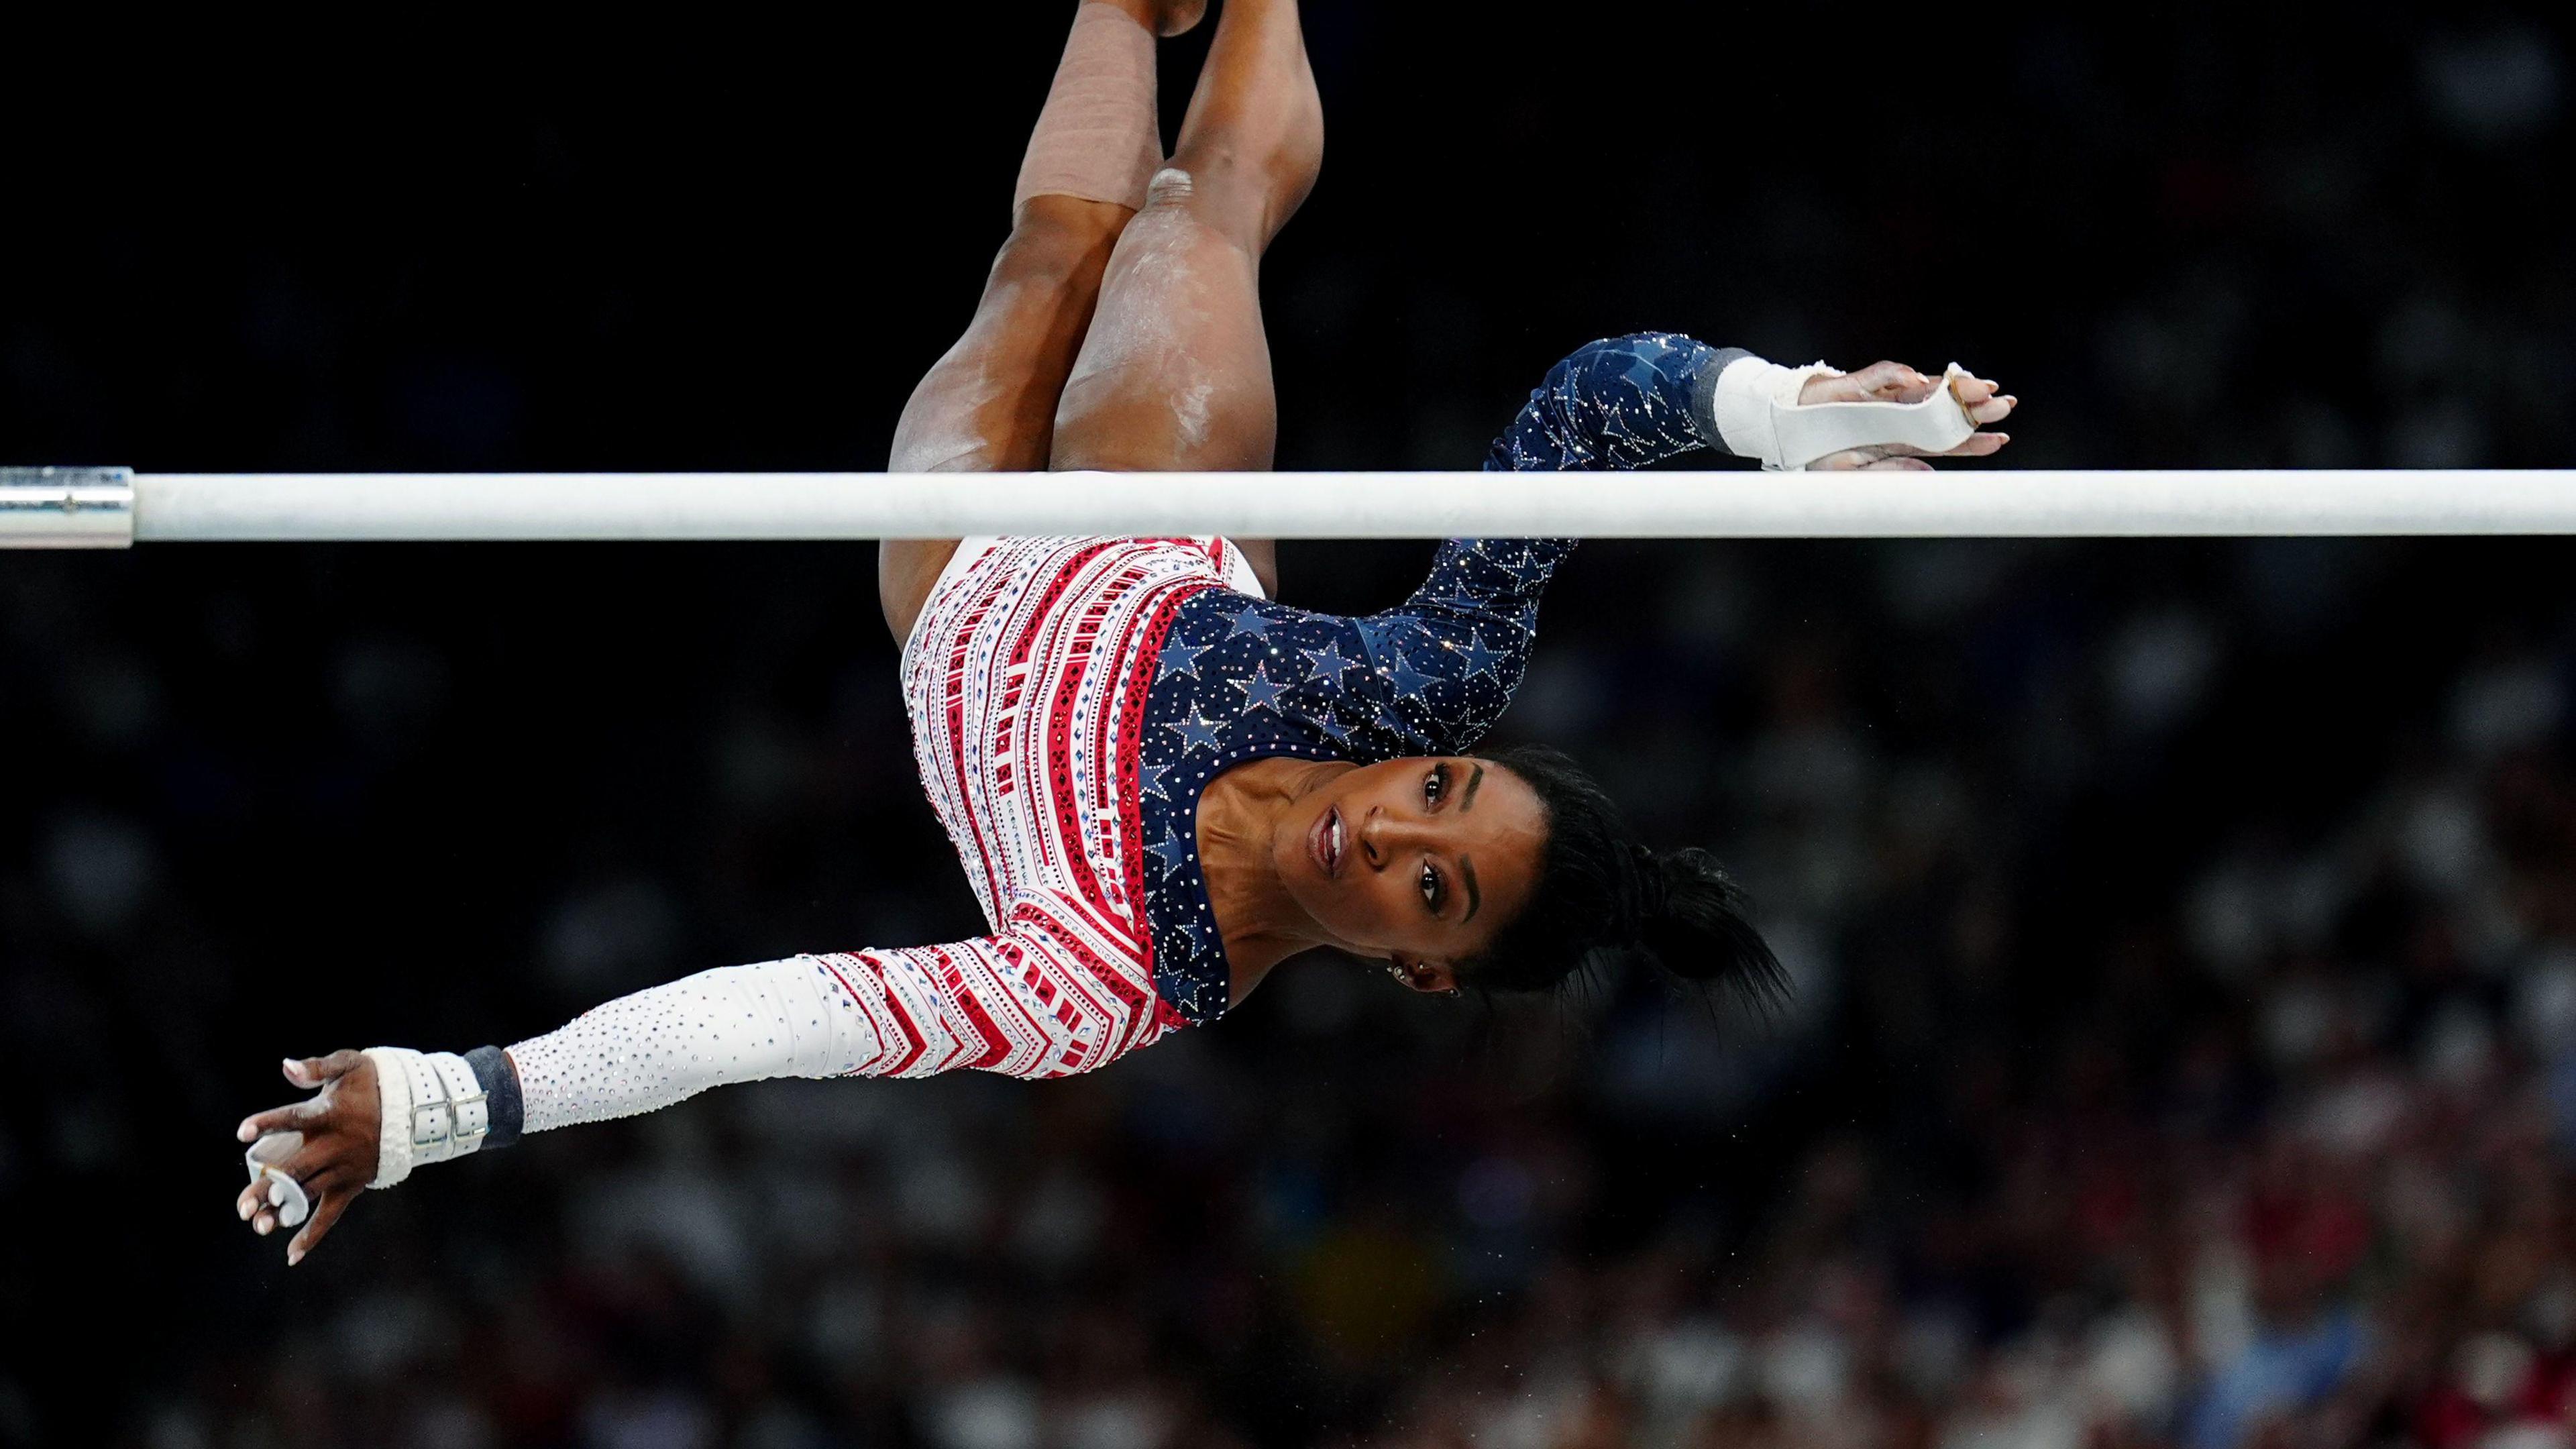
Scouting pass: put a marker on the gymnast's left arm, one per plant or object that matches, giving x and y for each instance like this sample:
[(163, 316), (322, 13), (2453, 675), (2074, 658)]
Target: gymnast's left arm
[(1447, 661), (1036, 1000), (1627, 402), (1443, 665)]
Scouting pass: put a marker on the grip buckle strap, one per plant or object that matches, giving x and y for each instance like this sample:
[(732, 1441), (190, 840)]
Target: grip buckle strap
[(433, 1109)]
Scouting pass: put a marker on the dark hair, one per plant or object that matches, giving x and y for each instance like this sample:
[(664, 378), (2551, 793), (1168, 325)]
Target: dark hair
[(1601, 893)]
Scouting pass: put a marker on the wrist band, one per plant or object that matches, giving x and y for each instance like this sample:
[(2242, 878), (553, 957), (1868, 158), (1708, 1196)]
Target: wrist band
[(503, 1114), (432, 1109)]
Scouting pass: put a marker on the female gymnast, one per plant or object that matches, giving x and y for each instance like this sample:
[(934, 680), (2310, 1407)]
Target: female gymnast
[(1162, 784)]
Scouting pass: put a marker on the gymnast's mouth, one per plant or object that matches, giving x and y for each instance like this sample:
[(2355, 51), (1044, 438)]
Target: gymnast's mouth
[(1325, 841)]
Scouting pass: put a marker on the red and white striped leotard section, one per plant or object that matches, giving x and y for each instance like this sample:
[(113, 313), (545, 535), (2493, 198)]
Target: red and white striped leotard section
[(1025, 679)]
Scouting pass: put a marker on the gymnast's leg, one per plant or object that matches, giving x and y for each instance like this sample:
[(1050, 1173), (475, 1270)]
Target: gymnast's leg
[(1175, 373), (989, 404)]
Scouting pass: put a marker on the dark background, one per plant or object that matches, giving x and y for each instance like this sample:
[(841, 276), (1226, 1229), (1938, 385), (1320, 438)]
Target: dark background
[(2186, 931)]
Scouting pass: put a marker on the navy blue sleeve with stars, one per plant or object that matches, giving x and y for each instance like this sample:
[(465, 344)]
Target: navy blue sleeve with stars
[(1622, 402), (1451, 656), (1241, 678)]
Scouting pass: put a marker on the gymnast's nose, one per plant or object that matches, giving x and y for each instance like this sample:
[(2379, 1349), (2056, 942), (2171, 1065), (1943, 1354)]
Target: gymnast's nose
[(1384, 838)]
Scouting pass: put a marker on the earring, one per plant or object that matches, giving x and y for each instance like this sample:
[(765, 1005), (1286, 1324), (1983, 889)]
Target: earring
[(1405, 979)]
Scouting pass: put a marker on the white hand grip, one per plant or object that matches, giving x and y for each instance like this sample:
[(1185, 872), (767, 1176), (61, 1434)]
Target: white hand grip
[(1936, 425), (284, 1193)]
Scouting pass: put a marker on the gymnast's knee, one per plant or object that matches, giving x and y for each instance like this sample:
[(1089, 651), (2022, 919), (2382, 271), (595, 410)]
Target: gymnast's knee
[(1216, 196), (1249, 193), (1059, 238), (1171, 187)]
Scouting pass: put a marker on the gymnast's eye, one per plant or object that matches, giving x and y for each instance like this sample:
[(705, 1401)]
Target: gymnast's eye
[(1435, 784), (1431, 887)]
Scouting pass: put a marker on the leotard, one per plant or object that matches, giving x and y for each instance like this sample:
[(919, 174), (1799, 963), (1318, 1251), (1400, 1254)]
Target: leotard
[(1070, 699)]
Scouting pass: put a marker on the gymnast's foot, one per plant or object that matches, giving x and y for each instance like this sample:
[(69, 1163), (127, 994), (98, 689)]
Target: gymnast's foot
[(1164, 17)]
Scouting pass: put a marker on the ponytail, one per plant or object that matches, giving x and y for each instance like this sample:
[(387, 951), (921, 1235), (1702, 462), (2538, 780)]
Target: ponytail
[(1601, 893)]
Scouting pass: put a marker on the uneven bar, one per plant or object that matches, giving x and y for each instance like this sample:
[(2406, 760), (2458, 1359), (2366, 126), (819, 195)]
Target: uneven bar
[(1990, 503)]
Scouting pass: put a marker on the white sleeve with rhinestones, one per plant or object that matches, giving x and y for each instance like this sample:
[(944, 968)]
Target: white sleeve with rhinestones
[(643, 1052), (1028, 1004)]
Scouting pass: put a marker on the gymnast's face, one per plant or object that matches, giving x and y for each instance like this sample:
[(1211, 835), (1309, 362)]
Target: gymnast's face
[(1417, 861)]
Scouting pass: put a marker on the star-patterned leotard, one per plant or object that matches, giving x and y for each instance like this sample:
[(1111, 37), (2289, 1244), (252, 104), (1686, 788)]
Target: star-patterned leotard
[(1070, 699), (1241, 679)]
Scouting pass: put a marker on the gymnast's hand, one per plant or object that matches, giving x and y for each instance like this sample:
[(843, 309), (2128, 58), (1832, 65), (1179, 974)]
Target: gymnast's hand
[(336, 1158), (1895, 382)]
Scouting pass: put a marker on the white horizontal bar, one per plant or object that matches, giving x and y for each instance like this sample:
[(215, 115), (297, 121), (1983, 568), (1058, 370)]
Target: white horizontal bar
[(1983, 503)]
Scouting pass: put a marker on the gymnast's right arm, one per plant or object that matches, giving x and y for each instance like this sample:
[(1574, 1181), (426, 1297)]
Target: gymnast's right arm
[(1033, 1001)]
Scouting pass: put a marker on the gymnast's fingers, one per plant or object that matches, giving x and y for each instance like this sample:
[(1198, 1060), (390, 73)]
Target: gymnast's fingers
[(325, 1213), (314, 1071), (1854, 459), (294, 1117), (265, 1209), (1979, 445), (1878, 382), (279, 1199), (1979, 397), (1893, 382), (319, 1162), (1897, 465)]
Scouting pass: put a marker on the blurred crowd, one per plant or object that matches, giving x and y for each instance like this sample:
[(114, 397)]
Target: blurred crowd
[(2157, 1074), (2184, 1044)]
